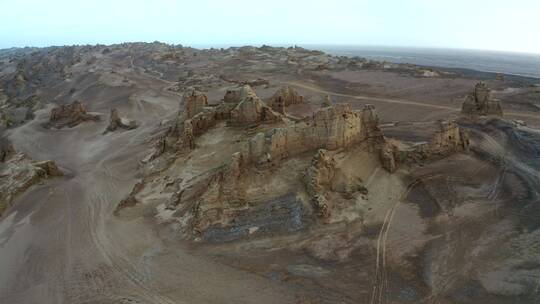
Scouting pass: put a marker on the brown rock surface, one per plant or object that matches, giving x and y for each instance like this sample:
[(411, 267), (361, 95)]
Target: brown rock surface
[(19, 173), (320, 173), (480, 102), (251, 110), (116, 122), (194, 102), (283, 98), (329, 128), (70, 115)]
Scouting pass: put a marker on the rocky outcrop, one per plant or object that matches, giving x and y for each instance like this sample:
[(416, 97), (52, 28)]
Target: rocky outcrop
[(117, 122), (241, 107), (70, 115), (251, 110), (329, 128), (446, 139), (50, 168), (194, 102), (283, 98), (327, 102), (19, 173), (6, 150), (388, 158), (318, 179), (236, 95), (320, 173), (479, 102)]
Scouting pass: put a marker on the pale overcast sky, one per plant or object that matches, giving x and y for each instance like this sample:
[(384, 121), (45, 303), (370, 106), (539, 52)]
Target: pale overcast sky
[(474, 24)]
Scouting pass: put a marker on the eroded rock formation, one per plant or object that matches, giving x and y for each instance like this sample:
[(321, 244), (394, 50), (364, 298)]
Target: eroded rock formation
[(236, 95), (241, 107), (283, 98), (194, 102), (252, 109), (329, 128), (320, 173), (319, 178), (19, 173), (6, 150), (117, 122), (480, 102), (447, 138), (70, 115)]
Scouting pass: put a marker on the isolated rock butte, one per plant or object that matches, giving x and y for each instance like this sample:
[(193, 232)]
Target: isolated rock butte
[(479, 102), (117, 122), (70, 115), (283, 98)]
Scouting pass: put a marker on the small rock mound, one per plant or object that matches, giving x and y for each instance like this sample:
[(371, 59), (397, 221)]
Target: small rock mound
[(479, 102), (116, 122), (70, 115)]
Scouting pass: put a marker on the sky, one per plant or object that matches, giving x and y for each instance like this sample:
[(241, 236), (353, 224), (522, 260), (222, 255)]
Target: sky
[(471, 24)]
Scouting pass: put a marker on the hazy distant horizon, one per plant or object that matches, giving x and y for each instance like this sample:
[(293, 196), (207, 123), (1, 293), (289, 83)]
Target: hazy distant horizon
[(483, 25), (314, 46), (513, 63)]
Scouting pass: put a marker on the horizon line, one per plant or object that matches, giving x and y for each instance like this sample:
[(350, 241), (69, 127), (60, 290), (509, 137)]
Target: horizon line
[(203, 46)]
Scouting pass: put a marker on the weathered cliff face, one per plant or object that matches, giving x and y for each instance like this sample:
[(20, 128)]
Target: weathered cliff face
[(283, 98), (329, 128), (70, 115), (117, 122), (194, 102), (479, 102)]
